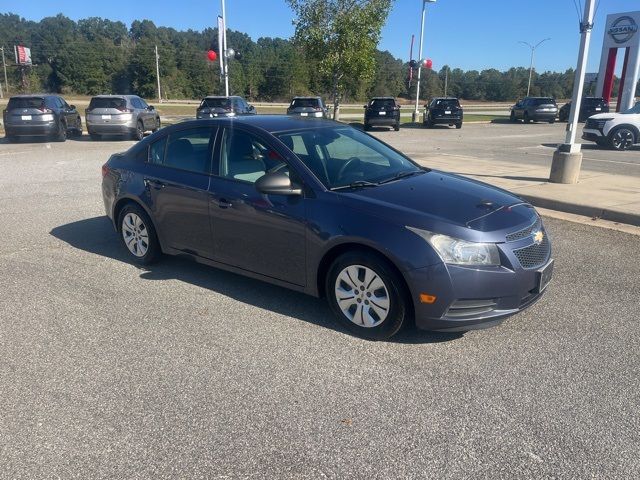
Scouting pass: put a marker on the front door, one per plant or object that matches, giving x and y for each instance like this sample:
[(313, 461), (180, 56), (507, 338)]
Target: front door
[(177, 182), (260, 233)]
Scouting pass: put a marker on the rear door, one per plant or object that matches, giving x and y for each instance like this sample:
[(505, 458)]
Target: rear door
[(177, 181), (260, 233)]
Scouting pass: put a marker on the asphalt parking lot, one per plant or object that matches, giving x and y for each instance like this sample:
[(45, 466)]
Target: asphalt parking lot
[(112, 371)]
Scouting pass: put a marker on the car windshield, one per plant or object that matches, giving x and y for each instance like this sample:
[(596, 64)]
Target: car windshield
[(447, 103), (544, 101), (383, 102), (25, 102), (341, 157), (107, 102), (215, 103), (305, 103), (634, 109)]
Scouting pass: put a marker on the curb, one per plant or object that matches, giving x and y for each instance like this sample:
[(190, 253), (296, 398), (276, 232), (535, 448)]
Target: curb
[(584, 210)]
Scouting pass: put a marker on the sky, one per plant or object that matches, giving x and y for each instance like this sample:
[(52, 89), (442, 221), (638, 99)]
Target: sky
[(469, 34)]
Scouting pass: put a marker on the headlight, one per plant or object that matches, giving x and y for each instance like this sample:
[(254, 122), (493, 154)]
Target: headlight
[(47, 117), (460, 252)]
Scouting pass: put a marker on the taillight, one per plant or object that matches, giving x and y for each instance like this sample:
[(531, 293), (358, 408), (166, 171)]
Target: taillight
[(105, 170), (318, 109), (125, 110)]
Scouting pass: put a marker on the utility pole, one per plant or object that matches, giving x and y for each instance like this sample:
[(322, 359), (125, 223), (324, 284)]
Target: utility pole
[(446, 79), (533, 49), (424, 8), (158, 74), (224, 51), (4, 64), (567, 159)]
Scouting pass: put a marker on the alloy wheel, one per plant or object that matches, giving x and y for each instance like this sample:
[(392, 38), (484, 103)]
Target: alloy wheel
[(135, 234), (622, 139), (362, 296)]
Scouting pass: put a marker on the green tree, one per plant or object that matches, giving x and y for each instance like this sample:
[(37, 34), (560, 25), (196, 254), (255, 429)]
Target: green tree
[(342, 36)]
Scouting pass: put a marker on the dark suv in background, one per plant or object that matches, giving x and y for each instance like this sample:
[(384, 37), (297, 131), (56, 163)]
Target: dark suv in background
[(308, 107), (382, 112), (589, 106), (42, 116), (536, 109), (443, 111), (232, 106)]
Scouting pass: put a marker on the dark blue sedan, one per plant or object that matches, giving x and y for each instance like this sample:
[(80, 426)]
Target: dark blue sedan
[(322, 208)]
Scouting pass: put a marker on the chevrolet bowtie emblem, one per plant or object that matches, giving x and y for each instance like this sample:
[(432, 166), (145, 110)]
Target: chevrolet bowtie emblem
[(538, 237)]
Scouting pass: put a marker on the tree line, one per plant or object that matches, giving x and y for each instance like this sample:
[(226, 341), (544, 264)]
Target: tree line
[(96, 55)]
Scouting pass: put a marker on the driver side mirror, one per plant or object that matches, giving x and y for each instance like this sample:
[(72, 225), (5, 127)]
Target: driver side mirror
[(277, 183), (72, 107), (252, 108), (151, 108)]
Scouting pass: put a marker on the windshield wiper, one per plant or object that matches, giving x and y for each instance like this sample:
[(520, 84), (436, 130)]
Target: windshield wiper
[(400, 175), (356, 184)]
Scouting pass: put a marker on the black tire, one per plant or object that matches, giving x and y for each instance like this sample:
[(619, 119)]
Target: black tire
[(153, 251), (138, 134), (601, 143), (61, 135), (11, 139), (459, 125), (553, 120), (367, 127), (428, 123), (95, 137), (157, 127), (398, 308), (622, 138), (526, 118), (396, 127), (512, 117)]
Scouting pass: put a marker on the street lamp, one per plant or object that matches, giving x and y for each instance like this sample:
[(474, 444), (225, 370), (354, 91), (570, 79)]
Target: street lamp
[(533, 49), (424, 7)]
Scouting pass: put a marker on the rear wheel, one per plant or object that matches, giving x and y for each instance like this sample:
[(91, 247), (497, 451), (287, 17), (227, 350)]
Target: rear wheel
[(366, 295), (139, 132), (138, 235), (61, 135), (459, 125), (622, 138), (396, 127), (553, 120)]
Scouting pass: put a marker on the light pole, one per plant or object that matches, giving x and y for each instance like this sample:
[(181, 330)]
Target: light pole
[(424, 8), (567, 159), (223, 50), (533, 50)]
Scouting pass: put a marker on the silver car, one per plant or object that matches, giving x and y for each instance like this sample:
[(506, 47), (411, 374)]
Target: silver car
[(308, 107), (120, 115)]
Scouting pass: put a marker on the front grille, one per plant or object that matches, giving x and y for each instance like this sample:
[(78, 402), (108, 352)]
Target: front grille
[(594, 124), (534, 256), (525, 232)]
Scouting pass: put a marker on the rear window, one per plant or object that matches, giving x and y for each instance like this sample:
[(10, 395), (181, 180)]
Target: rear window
[(383, 102), (592, 101), (447, 102), (105, 102), (543, 101), (305, 103), (215, 103), (25, 102)]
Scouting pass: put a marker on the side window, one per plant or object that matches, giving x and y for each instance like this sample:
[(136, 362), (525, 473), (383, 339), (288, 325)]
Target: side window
[(246, 157), (136, 103), (156, 152), (142, 103), (185, 150)]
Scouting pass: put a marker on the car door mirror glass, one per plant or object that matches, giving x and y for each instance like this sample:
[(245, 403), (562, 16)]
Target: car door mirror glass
[(151, 108), (277, 183), (72, 107)]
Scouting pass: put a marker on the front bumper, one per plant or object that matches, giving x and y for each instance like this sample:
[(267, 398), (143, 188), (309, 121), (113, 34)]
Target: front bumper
[(31, 130), (444, 119), (544, 116), (307, 114), (592, 135)]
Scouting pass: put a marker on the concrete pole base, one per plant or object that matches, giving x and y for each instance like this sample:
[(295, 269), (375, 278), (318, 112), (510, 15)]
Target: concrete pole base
[(565, 167), (414, 116)]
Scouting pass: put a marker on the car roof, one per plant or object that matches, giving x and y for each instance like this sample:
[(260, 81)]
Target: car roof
[(270, 123), (34, 95), (223, 96), (303, 98), (444, 98), (115, 96)]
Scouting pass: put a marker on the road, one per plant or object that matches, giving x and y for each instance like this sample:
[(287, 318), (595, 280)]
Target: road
[(112, 371), (531, 144)]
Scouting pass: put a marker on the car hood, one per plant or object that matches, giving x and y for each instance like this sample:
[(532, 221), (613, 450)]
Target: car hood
[(445, 203), (599, 116)]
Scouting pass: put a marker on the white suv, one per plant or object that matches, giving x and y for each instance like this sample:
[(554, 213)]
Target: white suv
[(616, 130)]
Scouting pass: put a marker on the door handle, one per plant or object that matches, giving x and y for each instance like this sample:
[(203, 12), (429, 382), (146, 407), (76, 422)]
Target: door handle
[(157, 184), (221, 202)]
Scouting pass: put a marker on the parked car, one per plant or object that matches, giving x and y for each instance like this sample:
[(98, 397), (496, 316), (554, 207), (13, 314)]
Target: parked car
[(589, 106), (40, 116), (618, 131), (232, 106), (120, 115), (308, 107), (325, 209), (382, 112), (535, 109), (443, 111)]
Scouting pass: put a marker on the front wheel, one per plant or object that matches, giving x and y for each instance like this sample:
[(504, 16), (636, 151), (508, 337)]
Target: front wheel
[(622, 138), (366, 295), (459, 125), (157, 127), (396, 127), (138, 235)]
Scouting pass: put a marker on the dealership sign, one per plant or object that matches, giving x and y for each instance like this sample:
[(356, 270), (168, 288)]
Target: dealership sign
[(623, 29), (23, 55)]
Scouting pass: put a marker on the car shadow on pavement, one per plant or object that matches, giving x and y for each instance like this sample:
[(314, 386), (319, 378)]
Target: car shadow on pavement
[(96, 235), (508, 177)]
